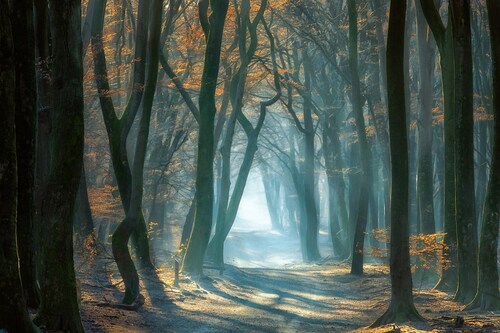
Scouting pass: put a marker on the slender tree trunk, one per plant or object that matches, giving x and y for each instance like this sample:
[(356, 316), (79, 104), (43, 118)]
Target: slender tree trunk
[(132, 220), (464, 154), (272, 191), (59, 308), (309, 184), (188, 226), (213, 27), (118, 129), (401, 308), (425, 184), (444, 41), (362, 217)]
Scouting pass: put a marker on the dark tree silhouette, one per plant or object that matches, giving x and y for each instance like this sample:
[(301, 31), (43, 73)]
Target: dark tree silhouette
[(59, 308), (213, 28), (13, 312), (401, 308)]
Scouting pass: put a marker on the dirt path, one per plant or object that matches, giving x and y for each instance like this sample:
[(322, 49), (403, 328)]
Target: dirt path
[(299, 298)]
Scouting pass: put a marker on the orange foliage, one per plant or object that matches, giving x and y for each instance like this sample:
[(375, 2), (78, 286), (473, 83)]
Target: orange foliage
[(425, 249)]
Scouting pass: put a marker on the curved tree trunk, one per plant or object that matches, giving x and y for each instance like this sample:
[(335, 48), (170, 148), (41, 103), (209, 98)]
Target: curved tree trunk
[(119, 128), (134, 214)]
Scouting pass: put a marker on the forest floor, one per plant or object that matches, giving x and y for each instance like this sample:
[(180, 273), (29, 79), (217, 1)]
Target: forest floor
[(320, 297)]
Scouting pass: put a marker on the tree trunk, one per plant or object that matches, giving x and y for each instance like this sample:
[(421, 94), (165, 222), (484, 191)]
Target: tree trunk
[(488, 297), (118, 129), (444, 41), (14, 315), (425, 184), (272, 191), (26, 120), (59, 308), (213, 27), (362, 217), (401, 308), (312, 228), (464, 153), (83, 223), (132, 221)]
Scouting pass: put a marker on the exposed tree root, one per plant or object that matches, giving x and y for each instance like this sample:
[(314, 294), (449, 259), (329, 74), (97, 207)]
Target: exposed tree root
[(398, 313), (134, 306), (484, 302), (464, 296)]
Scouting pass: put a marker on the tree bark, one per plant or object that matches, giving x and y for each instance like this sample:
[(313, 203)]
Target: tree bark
[(464, 153), (213, 27), (83, 223), (357, 106), (59, 309), (132, 221), (488, 296), (26, 121), (444, 41), (425, 184), (14, 315), (118, 128), (401, 308)]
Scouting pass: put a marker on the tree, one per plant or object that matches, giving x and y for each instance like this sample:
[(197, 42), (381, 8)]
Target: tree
[(213, 28), (401, 308), (132, 221), (465, 214), (26, 121), (487, 296), (83, 223), (59, 308), (444, 41), (229, 206), (303, 175), (366, 177), (13, 312), (425, 189), (118, 129)]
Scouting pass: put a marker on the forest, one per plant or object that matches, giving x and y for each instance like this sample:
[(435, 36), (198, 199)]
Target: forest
[(249, 166)]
